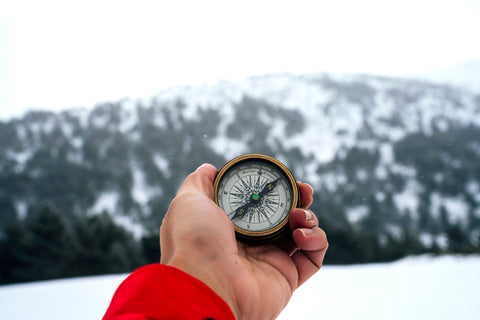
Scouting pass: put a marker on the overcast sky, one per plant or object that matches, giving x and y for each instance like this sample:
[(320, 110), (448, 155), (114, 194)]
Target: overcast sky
[(58, 54)]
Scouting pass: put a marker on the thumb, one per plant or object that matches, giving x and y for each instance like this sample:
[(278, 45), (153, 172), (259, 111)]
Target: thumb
[(200, 181)]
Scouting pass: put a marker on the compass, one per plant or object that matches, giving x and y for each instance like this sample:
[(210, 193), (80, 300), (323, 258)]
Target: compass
[(257, 193)]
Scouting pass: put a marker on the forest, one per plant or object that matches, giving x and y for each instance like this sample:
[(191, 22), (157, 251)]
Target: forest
[(70, 180)]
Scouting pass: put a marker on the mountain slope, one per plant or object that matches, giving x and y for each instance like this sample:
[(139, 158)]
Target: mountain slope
[(395, 163)]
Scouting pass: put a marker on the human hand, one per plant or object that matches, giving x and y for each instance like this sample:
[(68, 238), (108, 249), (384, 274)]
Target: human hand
[(257, 282)]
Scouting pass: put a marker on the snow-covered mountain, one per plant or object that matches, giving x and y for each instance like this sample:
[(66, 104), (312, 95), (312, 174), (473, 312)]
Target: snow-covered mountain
[(395, 162)]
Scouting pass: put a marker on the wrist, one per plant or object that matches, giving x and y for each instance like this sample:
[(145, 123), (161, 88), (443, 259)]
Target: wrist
[(214, 271)]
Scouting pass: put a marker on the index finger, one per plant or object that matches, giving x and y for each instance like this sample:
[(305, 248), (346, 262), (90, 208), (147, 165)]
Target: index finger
[(306, 192)]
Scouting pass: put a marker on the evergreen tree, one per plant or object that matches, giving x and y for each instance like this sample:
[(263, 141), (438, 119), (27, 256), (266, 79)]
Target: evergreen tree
[(8, 213), (103, 247), (444, 220), (374, 222), (13, 257), (49, 245), (41, 249), (151, 247), (457, 239), (425, 221)]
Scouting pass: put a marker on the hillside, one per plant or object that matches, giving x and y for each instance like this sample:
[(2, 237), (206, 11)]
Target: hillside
[(395, 163)]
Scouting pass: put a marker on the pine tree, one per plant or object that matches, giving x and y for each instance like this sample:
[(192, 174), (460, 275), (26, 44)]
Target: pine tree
[(49, 245), (13, 258), (38, 250), (103, 247)]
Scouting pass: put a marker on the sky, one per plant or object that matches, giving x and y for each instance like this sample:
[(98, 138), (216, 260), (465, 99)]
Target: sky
[(56, 54)]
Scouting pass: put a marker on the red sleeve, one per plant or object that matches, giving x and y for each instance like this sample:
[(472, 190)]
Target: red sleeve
[(158, 291)]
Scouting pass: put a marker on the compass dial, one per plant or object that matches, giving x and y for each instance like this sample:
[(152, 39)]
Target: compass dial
[(256, 192)]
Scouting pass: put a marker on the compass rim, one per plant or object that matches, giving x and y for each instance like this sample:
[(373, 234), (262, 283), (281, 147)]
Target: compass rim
[(276, 231)]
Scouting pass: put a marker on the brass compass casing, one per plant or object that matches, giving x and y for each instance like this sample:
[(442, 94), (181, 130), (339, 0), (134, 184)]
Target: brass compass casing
[(288, 180)]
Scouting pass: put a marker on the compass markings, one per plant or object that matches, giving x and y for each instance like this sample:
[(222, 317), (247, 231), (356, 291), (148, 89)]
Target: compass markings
[(259, 192), (262, 211)]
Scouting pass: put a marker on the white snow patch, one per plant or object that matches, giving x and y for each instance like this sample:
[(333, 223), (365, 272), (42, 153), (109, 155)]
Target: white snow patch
[(106, 201), (129, 116), (473, 187), (66, 128), (141, 191), (456, 207), (228, 148), (48, 126), (82, 114), (381, 173), (77, 142), (426, 239), (386, 153), (332, 180), (162, 163), (408, 198), (73, 299), (356, 214), (128, 223), (21, 133), (405, 171), (435, 204), (441, 288), (99, 121), (414, 288), (394, 230), (380, 196), (361, 175), (20, 158), (442, 241), (21, 209)]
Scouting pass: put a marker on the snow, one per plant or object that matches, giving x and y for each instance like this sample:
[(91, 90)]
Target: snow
[(21, 207), (457, 208), (162, 163), (356, 214), (473, 187), (82, 298), (106, 201), (408, 199), (141, 192), (129, 223), (413, 288), (129, 116)]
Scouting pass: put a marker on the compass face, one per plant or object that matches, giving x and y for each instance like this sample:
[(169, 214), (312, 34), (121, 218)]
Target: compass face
[(257, 193)]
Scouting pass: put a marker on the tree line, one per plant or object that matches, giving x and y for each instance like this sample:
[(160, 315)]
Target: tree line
[(46, 246)]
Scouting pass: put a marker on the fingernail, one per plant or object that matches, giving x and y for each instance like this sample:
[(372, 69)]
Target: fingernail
[(311, 188), (308, 215), (204, 164), (306, 232)]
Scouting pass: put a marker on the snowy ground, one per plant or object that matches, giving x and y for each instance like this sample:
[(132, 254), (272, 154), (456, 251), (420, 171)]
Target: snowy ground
[(413, 288)]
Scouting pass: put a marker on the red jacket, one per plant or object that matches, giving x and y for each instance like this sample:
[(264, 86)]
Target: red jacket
[(158, 291)]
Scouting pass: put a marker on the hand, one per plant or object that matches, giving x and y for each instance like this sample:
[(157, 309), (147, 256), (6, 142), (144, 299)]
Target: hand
[(257, 282)]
